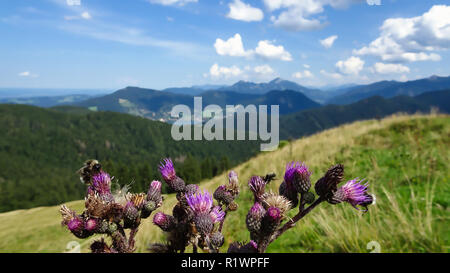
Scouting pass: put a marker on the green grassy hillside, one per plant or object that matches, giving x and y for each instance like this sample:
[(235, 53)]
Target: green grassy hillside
[(404, 158)]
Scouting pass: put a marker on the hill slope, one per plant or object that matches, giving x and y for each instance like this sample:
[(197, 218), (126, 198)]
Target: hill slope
[(389, 89), (311, 121), (40, 150), (404, 158)]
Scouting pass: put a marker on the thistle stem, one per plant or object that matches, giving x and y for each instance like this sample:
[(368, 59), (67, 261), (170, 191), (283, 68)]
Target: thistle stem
[(291, 223)]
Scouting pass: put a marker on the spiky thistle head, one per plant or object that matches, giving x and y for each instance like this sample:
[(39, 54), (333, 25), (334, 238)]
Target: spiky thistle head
[(200, 202), (167, 170), (297, 176), (217, 214), (355, 193), (257, 186), (91, 224), (101, 184), (274, 200)]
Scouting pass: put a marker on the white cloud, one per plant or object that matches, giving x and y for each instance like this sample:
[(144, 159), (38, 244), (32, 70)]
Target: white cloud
[(412, 39), (307, 66), (28, 74), (302, 75), (244, 12), (264, 70), (270, 51), (383, 68), (335, 76), (265, 49), (217, 71), (86, 15), (328, 42), (231, 47), (172, 2), (352, 65), (296, 15)]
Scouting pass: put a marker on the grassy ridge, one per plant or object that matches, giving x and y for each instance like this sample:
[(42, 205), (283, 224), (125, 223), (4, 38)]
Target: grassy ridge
[(404, 158)]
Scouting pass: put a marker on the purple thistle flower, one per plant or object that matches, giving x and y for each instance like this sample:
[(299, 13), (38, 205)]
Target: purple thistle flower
[(232, 177), (200, 203), (274, 213), (76, 224), (164, 221), (90, 224), (257, 186), (295, 168), (155, 185), (355, 193), (167, 170), (101, 183), (217, 215)]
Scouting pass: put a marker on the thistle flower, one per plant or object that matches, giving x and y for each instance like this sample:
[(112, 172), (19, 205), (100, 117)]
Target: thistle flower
[(274, 200), (233, 177), (298, 175), (353, 192), (257, 186), (271, 220), (101, 185), (200, 202), (168, 173), (75, 225), (217, 214), (91, 224), (100, 246), (67, 214), (167, 170), (327, 185), (164, 221)]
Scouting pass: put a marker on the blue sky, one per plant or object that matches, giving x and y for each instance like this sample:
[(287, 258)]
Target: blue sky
[(166, 43)]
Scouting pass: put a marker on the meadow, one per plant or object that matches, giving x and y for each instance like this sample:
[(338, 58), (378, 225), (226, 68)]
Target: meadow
[(404, 158)]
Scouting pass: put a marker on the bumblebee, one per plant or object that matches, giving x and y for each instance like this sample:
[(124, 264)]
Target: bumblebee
[(90, 168), (269, 177)]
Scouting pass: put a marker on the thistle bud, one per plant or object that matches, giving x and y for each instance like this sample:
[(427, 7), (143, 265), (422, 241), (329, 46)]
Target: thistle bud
[(289, 193), (217, 239), (154, 192), (191, 189), (100, 246), (254, 218), (297, 176), (327, 185), (168, 173), (250, 247), (76, 226), (204, 223), (130, 216), (112, 227), (148, 208), (309, 197), (103, 227), (222, 195), (164, 221), (271, 220)]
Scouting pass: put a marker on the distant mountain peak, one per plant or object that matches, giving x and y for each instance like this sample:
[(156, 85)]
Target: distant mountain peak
[(277, 80)]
